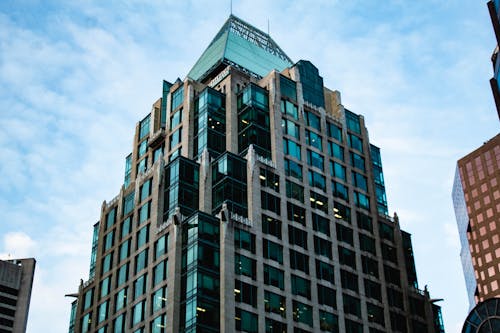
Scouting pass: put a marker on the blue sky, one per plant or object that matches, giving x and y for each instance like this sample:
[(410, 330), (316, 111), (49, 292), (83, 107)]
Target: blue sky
[(75, 77)]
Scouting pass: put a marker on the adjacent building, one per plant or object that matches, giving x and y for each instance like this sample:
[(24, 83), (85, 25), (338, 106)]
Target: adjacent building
[(16, 280), (253, 201)]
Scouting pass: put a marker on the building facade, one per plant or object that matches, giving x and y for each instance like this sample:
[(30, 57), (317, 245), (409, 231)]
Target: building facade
[(16, 280), (252, 201), (476, 196)]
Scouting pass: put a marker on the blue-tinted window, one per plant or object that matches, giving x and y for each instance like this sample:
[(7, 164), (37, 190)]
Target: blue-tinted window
[(340, 190), (293, 169), (302, 313), (291, 148), (175, 119), (317, 180), (128, 170), (352, 121), (361, 200), (144, 127), (138, 313), (312, 120), (121, 299), (143, 148), (290, 109), (314, 139), (290, 128), (334, 131), (355, 142), (358, 161), (336, 150), (359, 181), (337, 170), (288, 88), (315, 159), (175, 138), (177, 97), (128, 203)]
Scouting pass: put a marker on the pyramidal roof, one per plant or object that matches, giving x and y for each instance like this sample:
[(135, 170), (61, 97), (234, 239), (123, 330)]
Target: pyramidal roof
[(242, 45)]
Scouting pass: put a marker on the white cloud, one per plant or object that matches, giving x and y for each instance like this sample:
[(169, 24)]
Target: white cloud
[(18, 245)]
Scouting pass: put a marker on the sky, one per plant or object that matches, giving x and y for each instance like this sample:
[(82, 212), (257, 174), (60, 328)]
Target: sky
[(76, 76)]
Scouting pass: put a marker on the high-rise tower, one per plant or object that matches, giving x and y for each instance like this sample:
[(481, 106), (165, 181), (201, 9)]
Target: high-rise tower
[(253, 201)]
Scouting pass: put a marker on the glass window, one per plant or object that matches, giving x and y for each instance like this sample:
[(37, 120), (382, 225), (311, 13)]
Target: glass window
[(290, 128), (111, 218), (364, 222), (160, 272), (335, 150), (175, 138), (288, 88), (355, 142), (270, 202), (274, 277), (274, 326), (297, 237), (275, 303), (299, 261), (324, 271), (352, 305), (347, 257), (389, 253), (144, 127), (291, 148), (119, 324), (269, 179), (122, 276), (145, 190), (290, 109), (175, 119), (86, 322), (105, 286), (302, 313), (315, 159), (328, 321), (138, 313), (124, 250), (337, 170), (159, 299), (121, 299), (294, 191), (107, 262), (359, 181), (244, 240), (352, 121), (327, 296), (357, 161), (128, 170), (158, 324), (376, 314), (128, 203), (317, 180), (301, 286), (349, 280), (244, 266), (314, 140), (177, 97), (366, 243), (345, 234), (322, 247), (321, 224), (246, 321), (271, 226), (353, 327), (126, 226), (296, 213), (319, 201), (293, 169), (140, 286), (141, 260), (370, 266), (361, 200), (386, 232), (372, 290), (312, 120), (142, 236), (272, 250), (340, 191), (245, 293), (109, 240), (341, 212), (161, 246), (143, 148), (334, 131), (145, 212)]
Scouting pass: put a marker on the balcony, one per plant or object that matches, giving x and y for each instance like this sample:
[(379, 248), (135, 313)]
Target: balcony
[(157, 137)]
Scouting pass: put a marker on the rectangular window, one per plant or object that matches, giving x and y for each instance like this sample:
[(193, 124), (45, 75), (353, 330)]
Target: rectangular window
[(319, 201), (146, 189), (175, 138), (370, 266), (296, 213), (345, 234), (122, 275), (355, 142), (141, 261), (161, 246), (245, 293), (359, 181), (313, 139), (293, 169), (271, 226), (386, 232), (274, 277), (142, 236), (124, 250), (328, 321), (352, 305), (275, 303), (324, 271), (361, 200), (395, 298), (290, 128), (341, 212), (357, 161), (337, 170), (126, 227), (352, 121), (128, 203), (353, 327), (327, 296), (291, 148), (119, 324), (143, 148), (246, 321), (315, 159), (392, 275), (144, 212), (335, 150), (111, 218), (349, 280), (159, 299), (105, 286), (372, 290), (272, 250), (389, 253), (334, 131), (317, 180), (321, 224), (244, 266), (299, 261), (322, 247), (312, 120), (302, 313), (270, 202), (340, 191), (366, 243), (109, 240), (347, 257), (144, 127), (158, 324), (288, 88), (297, 237), (140, 286), (301, 286), (290, 109), (269, 179), (175, 119), (364, 222), (107, 262), (376, 314), (138, 313), (294, 191), (177, 97), (121, 299), (244, 240), (160, 272)]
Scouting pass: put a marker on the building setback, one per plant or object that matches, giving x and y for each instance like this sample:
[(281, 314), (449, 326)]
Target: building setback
[(16, 280), (253, 201)]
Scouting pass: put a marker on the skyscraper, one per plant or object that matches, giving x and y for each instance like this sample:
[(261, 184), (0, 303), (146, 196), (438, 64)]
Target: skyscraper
[(252, 201), (16, 280)]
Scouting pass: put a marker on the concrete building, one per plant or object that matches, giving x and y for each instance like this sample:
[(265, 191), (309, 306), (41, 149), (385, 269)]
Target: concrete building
[(476, 197), (252, 201), (16, 280)]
